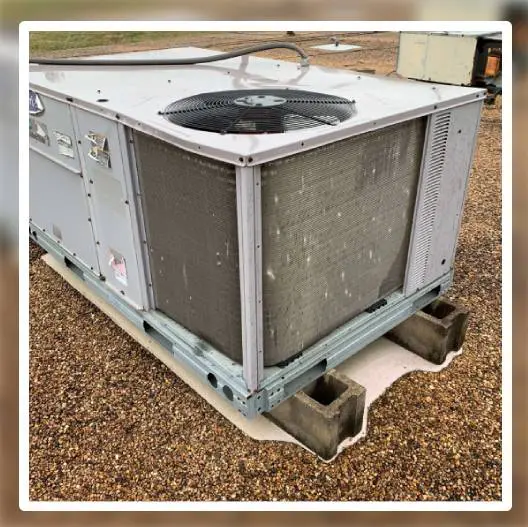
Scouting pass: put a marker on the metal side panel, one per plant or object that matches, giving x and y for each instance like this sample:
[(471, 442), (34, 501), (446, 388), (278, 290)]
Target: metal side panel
[(412, 55), (139, 232), (335, 231), (437, 58), (51, 132), (445, 175), (105, 175), (190, 208), (58, 205), (450, 59)]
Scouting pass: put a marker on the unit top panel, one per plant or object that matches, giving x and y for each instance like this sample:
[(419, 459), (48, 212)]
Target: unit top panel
[(136, 94)]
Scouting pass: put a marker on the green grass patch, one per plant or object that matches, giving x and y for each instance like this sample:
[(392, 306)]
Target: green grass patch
[(41, 42)]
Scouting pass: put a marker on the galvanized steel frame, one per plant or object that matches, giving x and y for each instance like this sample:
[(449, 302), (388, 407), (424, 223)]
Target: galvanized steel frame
[(278, 383)]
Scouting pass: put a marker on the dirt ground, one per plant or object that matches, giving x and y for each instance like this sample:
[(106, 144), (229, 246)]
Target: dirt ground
[(109, 422)]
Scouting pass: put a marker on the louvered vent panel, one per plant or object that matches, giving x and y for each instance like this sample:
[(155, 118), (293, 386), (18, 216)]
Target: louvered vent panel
[(428, 202)]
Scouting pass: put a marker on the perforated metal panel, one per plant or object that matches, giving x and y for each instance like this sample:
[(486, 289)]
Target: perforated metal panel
[(189, 203), (336, 229)]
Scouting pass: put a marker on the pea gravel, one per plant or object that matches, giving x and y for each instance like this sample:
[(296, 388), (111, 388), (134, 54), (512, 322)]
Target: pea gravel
[(110, 422)]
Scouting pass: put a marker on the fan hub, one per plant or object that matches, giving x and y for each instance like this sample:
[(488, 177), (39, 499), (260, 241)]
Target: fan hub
[(254, 101)]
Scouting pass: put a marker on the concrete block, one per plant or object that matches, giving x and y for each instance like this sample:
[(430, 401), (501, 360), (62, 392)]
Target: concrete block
[(326, 412), (434, 331)]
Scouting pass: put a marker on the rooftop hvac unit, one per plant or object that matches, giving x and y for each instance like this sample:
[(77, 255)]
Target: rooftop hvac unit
[(262, 220)]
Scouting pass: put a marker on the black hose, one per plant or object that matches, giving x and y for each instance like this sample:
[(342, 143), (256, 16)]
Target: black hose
[(173, 62)]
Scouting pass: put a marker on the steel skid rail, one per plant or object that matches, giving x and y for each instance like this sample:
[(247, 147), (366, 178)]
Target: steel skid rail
[(226, 376)]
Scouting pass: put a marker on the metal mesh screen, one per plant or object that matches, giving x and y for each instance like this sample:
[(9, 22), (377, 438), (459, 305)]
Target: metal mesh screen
[(258, 111), (189, 203), (335, 234)]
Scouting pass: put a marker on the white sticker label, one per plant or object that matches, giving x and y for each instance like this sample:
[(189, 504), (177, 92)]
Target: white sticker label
[(118, 265), (65, 144)]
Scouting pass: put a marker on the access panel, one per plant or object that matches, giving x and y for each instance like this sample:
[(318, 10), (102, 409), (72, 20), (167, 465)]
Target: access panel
[(106, 168)]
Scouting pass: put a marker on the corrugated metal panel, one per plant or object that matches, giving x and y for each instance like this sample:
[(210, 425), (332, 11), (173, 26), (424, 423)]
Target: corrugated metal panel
[(428, 201), (191, 221), (336, 229)]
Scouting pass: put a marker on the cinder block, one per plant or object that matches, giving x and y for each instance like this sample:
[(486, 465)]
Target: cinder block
[(325, 413), (434, 331)]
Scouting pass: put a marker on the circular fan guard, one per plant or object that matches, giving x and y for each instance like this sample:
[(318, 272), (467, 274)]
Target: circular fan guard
[(258, 111)]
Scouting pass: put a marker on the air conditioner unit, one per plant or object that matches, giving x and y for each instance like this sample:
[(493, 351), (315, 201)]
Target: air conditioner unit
[(263, 221)]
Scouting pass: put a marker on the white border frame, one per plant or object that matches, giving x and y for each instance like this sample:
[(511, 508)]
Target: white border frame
[(504, 27)]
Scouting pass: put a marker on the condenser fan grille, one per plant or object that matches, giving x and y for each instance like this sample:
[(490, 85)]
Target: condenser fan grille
[(258, 111)]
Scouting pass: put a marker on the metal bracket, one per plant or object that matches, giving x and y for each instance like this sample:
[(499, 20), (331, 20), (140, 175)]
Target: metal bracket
[(248, 185), (139, 235)]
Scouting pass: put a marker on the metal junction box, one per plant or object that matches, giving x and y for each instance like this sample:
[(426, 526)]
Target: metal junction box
[(460, 58), (261, 220)]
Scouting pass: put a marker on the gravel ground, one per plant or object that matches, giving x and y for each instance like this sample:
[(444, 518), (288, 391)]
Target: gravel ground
[(110, 422)]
